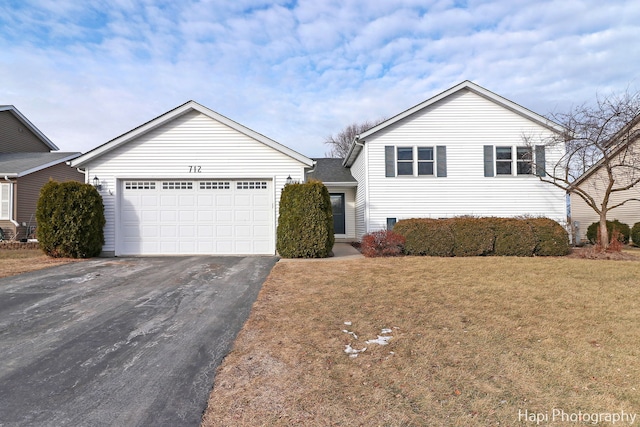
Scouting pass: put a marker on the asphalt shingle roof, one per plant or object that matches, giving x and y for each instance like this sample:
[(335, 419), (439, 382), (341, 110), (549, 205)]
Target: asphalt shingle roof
[(330, 170), (19, 163)]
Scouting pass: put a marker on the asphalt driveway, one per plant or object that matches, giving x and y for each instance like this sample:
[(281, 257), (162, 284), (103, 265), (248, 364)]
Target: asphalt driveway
[(120, 341)]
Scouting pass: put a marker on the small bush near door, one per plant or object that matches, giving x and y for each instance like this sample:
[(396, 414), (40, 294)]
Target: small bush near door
[(305, 224), (70, 218), (382, 243)]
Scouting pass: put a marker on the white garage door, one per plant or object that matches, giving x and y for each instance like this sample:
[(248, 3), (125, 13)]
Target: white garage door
[(172, 217)]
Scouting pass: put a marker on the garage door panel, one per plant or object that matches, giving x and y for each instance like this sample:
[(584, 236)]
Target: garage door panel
[(196, 217)]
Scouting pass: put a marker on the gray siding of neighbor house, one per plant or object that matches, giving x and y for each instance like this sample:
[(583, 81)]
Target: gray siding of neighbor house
[(16, 137), (28, 188)]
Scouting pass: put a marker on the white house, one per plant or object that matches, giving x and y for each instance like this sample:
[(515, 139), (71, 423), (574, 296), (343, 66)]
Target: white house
[(191, 181), (461, 152)]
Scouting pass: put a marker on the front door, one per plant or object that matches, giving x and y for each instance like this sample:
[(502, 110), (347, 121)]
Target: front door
[(337, 205)]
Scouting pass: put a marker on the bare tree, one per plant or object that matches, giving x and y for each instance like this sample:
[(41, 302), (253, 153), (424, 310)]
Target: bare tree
[(341, 142), (600, 146)]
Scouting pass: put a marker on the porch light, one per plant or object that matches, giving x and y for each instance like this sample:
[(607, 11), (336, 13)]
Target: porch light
[(96, 183), (289, 180)]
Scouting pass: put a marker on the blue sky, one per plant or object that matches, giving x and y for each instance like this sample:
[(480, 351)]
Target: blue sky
[(297, 71)]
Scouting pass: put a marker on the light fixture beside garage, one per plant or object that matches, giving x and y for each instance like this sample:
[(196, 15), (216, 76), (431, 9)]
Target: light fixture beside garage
[(96, 183), (289, 180)]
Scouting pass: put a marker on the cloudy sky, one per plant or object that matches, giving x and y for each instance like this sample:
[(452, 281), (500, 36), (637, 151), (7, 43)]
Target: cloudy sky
[(85, 72)]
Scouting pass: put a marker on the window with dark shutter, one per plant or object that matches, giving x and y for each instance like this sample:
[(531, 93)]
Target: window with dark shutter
[(441, 164), (488, 160), (540, 161), (390, 161)]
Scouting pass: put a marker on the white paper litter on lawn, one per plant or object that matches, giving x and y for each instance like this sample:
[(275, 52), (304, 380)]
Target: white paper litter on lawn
[(347, 323), (386, 331), (352, 352), (380, 341)]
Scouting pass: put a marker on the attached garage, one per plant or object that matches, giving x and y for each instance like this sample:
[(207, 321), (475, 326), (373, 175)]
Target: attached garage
[(170, 217), (191, 182)]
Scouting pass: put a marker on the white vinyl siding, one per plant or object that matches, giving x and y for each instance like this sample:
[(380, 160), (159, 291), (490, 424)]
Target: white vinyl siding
[(358, 170), (463, 122), (188, 143)]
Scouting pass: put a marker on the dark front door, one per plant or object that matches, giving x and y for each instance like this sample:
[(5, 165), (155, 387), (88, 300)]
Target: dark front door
[(337, 204)]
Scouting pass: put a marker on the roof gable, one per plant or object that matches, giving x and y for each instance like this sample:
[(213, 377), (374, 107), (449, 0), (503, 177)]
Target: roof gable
[(30, 126), (356, 146), (175, 113)]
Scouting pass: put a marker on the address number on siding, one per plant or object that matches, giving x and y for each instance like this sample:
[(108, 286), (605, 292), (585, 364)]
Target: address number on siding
[(195, 169)]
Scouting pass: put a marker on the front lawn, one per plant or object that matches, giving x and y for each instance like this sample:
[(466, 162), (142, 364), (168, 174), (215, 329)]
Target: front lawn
[(19, 261), (474, 341)]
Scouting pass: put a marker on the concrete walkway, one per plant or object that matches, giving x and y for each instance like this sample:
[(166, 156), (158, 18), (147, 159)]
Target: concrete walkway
[(341, 251)]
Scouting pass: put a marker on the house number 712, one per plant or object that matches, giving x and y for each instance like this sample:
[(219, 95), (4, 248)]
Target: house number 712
[(195, 169)]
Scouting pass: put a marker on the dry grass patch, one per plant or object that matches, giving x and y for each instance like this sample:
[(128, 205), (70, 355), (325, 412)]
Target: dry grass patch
[(474, 340), (19, 261)]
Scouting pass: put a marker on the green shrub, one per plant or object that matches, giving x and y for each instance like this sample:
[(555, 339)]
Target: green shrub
[(635, 234), (551, 238), (70, 217), (424, 236), (473, 236), (305, 224), (625, 231), (514, 237), (382, 243)]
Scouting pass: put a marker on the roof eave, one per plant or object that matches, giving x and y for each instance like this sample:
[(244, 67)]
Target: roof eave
[(65, 159), (176, 112)]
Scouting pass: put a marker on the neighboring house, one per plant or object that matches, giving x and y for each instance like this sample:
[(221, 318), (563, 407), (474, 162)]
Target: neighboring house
[(191, 181), (28, 159), (594, 181), (461, 152)]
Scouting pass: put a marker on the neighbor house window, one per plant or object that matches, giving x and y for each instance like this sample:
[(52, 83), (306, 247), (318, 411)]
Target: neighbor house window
[(425, 161), (405, 161), (524, 160), (5, 201), (503, 161)]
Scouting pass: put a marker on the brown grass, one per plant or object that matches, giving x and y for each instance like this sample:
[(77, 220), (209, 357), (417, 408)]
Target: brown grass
[(19, 261), (474, 341)]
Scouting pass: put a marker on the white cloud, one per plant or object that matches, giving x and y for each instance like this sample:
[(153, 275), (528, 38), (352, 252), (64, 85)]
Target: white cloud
[(299, 71)]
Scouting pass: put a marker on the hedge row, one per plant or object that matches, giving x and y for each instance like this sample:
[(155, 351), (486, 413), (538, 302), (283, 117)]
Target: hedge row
[(305, 225), (625, 231), (635, 234), (467, 236)]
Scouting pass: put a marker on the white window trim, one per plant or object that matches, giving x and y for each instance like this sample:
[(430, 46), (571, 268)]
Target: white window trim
[(514, 161), (415, 161), (6, 190)]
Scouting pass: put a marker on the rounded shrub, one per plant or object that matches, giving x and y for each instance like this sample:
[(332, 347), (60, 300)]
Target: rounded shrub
[(551, 238), (70, 217), (425, 236), (382, 243), (305, 223), (625, 231), (635, 234), (514, 237), (473, 236)]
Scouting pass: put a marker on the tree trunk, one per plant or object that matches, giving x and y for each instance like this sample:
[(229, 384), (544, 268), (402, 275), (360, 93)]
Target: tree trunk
[(603, 233)]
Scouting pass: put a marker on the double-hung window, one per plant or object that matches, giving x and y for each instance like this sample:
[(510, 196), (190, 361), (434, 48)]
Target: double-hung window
[(508, 164), (405, 161), (425, 161), (524, 161), (5, 201), (415, 161)]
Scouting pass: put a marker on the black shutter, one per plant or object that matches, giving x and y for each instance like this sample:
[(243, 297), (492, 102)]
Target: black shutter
[(441, 158), (488, 160), (540, 161), (390, 161)]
